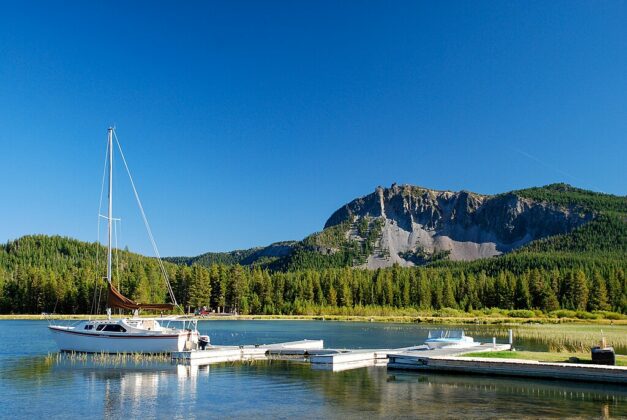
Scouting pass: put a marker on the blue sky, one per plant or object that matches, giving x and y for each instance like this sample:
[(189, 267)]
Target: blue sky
[(246, 123)]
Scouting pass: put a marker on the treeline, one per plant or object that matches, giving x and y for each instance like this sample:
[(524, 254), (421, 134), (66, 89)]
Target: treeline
[(41, 273), (569, 196), (53, 274), (257, 291), (606, 233)]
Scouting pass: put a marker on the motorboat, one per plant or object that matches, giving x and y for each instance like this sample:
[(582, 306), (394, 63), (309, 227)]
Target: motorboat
[(449, 339)]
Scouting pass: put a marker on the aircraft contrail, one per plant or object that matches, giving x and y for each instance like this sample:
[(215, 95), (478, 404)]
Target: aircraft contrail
[(553, 168)]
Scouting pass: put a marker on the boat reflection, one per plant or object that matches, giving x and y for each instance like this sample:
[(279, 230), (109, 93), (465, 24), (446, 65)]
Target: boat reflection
[(162, 389)]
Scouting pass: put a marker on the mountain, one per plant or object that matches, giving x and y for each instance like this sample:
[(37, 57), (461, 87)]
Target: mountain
[(414, 224), (410, 225), (252, 256), (546, 248)]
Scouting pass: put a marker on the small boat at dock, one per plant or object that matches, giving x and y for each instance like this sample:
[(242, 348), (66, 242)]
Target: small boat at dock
[(449, 339)]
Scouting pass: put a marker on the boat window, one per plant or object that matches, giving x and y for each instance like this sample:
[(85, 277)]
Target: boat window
[(89, 327), (114, 328), (100, 327)]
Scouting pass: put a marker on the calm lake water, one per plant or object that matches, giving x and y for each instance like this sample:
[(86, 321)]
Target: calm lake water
[(33, 386)]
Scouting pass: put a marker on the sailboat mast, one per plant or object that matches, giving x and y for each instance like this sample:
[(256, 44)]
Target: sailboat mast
[(110, 216)]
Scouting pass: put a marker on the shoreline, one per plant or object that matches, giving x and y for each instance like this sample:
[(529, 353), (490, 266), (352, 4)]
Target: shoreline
[(351, 318)]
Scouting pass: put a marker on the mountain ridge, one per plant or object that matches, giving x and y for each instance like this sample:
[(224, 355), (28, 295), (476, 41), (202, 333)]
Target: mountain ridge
[(581, 269), (413, 225)]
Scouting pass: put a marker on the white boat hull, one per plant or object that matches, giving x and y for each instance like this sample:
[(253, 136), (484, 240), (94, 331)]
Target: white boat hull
[(69, 339), (451, 344)]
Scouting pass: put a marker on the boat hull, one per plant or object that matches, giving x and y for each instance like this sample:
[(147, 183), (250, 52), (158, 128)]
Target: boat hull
[(70, 340), (441, 343)]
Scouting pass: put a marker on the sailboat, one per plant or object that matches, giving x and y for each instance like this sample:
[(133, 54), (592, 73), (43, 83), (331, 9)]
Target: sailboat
[(134, 334)]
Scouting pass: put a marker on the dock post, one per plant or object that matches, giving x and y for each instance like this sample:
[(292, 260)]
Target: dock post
[(511, 340)]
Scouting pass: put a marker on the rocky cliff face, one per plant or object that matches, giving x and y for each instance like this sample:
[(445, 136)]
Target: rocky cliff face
[(411, 225)]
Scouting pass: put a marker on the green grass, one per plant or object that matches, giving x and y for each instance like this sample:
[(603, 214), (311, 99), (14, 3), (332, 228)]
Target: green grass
[(542, 356)]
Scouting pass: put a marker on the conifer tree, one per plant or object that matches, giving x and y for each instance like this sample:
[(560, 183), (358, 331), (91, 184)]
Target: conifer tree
[(424, 301), (504, 295), (388, 290), (597, 300), (579, 291), (437, 298), (448, 296), (522, 297), (549, 300), (200, 288), (615, 291), (536, 288), (332, 298), (473, 298)]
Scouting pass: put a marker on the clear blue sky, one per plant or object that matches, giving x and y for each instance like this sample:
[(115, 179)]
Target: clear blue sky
[(246, 123)]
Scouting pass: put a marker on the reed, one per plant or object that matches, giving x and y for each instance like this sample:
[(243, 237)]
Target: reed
[(107, 359), (572, 338)]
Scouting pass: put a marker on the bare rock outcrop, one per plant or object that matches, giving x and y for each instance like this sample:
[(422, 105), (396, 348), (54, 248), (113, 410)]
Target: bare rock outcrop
[(418, 224)]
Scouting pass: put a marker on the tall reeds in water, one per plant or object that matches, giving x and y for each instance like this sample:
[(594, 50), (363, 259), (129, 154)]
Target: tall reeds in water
[(568, 338), (107, 359)]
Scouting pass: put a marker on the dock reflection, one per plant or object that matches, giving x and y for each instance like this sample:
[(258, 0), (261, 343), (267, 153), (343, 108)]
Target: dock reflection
[(285, 388)]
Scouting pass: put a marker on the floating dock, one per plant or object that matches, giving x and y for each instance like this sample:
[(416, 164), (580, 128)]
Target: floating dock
[(449, 360), (419, 358), (337, 360), (313, 351), (219, 354)]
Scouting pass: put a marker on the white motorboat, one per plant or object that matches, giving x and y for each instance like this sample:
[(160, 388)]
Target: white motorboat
[(449, 339), (135, 334)]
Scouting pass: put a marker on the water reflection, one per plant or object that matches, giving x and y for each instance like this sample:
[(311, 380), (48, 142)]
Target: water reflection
[(276, 388), (37, 386), (137, 392)]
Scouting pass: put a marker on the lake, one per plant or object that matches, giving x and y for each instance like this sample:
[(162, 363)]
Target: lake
[(33, 385)]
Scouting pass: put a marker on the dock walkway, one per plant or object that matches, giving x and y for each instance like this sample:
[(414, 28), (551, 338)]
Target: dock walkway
[(443, 361), (408, 358), (219, 354)]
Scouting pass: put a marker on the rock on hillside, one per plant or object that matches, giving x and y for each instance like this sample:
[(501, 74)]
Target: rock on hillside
[(411, 225)]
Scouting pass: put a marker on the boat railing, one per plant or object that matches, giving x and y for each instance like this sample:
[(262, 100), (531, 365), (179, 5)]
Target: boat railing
[(451, 334), (188, 323)]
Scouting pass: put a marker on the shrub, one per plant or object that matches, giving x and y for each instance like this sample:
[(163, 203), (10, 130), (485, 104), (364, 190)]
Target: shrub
[(563, 313), (610, 315), (449, 313), (490, 312), (588, 315), (522, 313)]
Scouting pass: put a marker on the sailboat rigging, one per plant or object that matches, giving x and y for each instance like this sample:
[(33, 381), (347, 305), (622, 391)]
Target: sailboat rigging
[(135, 334)]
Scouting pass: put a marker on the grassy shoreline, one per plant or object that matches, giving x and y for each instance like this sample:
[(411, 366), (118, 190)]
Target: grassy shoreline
[(470, 320)]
